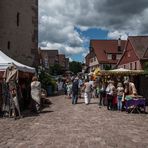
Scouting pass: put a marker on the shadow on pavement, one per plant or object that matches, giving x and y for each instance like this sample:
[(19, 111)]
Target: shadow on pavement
[(93, 103), (80, 102), (45, 111), (29, 114)]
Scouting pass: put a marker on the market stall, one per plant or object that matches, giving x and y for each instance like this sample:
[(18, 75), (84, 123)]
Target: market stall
[(120, 75), (13, 79)]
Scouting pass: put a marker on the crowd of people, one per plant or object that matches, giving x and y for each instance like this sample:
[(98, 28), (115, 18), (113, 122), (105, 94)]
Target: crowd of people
[(110, 93)]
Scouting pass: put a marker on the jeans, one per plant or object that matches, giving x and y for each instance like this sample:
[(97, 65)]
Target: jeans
[(119, 104), (74, 98)]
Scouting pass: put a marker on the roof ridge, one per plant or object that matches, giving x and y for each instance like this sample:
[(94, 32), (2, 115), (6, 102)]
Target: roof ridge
[(138, 36), (106, 40)]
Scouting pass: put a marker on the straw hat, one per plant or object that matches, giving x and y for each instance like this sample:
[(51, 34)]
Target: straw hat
[(119, 84), (110, 81)]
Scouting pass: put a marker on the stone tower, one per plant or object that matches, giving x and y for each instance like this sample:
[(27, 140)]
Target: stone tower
[(19, 30)]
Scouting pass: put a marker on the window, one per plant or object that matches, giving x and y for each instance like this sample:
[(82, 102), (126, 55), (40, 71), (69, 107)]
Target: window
[(135, 65), (91, 60), (130, 65), (18, 18), (40, 61), (8, 45), (118, 56), (109, 56), (94, 58), (113, 56)]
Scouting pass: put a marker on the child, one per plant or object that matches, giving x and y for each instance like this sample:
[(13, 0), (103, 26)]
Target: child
[(120, 93)]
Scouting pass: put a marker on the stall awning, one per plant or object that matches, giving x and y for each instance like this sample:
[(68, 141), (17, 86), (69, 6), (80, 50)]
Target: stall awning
[(6, 61)]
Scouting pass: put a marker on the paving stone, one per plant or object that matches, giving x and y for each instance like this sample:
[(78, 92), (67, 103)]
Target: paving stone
[(63, 125)]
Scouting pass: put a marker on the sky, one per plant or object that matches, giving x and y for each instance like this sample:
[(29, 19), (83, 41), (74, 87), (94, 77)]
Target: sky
[(69, 25)]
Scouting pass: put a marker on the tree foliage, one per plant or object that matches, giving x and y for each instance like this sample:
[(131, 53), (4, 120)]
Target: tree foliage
[(46, 80), (75, 67), (145, 67), (56, 69)]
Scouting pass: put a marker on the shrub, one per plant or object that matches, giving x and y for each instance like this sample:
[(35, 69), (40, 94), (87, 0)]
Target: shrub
[(46, 80)]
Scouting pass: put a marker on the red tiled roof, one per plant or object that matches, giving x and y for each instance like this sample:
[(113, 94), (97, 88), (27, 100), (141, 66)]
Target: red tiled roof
[(101, 47), (140, 44), (140, 47)]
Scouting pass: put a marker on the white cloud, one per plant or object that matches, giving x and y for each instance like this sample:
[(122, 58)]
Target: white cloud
[(70, 59), (58, 19), (64, 48), (117, 34)]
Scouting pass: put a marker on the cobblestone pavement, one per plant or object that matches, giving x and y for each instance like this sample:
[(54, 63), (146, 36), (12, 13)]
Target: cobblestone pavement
[(63, 125)]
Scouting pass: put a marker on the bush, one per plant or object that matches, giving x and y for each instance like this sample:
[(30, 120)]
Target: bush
[(46, 80)]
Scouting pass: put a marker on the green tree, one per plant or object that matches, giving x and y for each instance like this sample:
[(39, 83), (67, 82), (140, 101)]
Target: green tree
[(56, 69), (107, 67), (46, 80), (75, 67), (145, 67)]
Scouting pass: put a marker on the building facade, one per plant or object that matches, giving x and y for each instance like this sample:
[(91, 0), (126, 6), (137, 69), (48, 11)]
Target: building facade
[(19, 30), (51, 57), (104, 54), (135, 54), (48, 58)]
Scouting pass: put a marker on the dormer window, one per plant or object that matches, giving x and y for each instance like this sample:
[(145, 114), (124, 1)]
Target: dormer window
[(114, 56), (111, 56)]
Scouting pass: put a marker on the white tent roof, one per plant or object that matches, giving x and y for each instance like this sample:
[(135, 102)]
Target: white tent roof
[(120, 70), (5, 61)]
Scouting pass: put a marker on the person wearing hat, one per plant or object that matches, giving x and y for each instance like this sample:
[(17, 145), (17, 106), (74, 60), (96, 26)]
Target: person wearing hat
[(110, 91)]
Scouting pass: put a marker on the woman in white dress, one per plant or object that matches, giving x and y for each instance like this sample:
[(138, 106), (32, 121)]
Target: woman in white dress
[(36, 93), (87, 91)]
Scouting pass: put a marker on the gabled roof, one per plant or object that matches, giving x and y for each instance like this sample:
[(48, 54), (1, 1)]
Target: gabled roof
[(146, 53), (140, 45), (101, 47)]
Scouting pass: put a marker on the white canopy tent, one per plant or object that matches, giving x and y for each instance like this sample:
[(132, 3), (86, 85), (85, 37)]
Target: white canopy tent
[(121, 71), (6, 61), (125, 71)]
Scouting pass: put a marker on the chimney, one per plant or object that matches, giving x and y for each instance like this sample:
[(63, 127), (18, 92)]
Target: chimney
[(119, 44)]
